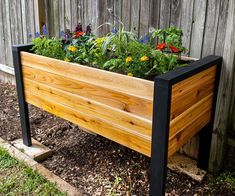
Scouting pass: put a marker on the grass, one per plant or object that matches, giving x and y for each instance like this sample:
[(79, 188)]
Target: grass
[(18, 179), (225, 181)]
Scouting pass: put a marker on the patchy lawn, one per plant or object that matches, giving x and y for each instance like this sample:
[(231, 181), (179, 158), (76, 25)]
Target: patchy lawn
[(18, 179)]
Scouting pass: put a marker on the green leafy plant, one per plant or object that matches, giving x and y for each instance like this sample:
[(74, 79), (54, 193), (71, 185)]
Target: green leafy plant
[(49, 47), (119, 51), (169, 39)]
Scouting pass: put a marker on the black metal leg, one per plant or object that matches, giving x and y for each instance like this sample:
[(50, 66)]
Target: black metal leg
[(160, 137), (205, 136), (23, 106)]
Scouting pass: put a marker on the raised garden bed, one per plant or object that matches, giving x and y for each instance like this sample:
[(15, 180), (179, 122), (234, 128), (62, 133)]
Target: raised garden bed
[(153, 117)]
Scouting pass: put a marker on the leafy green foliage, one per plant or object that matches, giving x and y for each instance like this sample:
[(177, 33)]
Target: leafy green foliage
[(49, 47), (119, 51), (225, 181), (171, 36)]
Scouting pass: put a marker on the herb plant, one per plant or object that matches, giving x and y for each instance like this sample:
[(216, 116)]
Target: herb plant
[(49, 47)]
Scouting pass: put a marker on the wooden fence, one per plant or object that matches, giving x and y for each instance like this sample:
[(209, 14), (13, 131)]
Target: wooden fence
[(208, 26)]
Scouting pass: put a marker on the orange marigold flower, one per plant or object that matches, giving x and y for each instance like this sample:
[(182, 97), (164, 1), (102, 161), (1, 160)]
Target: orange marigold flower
[(174, 49), (78, 34), (161, 46), (72, 48)]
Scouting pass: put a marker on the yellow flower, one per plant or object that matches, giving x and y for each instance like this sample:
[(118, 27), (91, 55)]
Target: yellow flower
[(99, 41), (130, 74), (66, 60), (72, 48), (144, 58), (129, 59)]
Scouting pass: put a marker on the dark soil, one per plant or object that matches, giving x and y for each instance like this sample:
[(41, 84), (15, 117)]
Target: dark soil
[(93, 164)]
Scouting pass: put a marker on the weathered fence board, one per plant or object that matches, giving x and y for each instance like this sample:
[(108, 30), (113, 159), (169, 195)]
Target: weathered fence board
[(225, 92), (212, 20), (2, 36), (198, 27)]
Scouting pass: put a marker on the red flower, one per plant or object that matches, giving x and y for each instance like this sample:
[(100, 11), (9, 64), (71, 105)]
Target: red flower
[(161, 46), (78, 34), (174, 49)]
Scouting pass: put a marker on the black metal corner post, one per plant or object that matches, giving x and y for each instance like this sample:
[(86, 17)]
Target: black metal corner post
[(160, 136), (23, 106), (205, 135)]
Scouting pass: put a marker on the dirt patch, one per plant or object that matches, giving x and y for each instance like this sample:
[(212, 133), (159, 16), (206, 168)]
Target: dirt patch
[(93, 164)]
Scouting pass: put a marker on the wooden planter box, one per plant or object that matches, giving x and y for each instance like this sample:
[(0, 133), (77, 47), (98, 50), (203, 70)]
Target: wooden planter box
[(152, 118)]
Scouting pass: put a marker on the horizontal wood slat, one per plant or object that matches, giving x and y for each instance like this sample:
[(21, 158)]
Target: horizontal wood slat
[(124, 136), (188, 132), (121, 101), (189, 91), (101, 111), (117, 82), (188, 117)]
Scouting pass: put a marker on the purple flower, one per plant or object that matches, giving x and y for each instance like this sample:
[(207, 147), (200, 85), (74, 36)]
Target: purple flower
[(141, 40), (146, 39), (44, 30), (114, 30), (67, 36), (37, 34), (62, 33), (78, 27)]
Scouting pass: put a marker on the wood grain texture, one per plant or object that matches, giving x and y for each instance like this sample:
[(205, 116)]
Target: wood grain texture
[(126, 14), (222, 26), (192, 90), (225, 94), (131, 85), (199, 16), (56, 16), (187, 22), (176, 9), (212, 20), (121, 135), (182, 137), (2, 36), (117, 12), (94, 91), (7, 32), (188, 117), (68, 14), (113, 105), (90, 107), (165, 18), (62, 15), (135, 16), (154, 17), (30, 25), (144, 18)]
